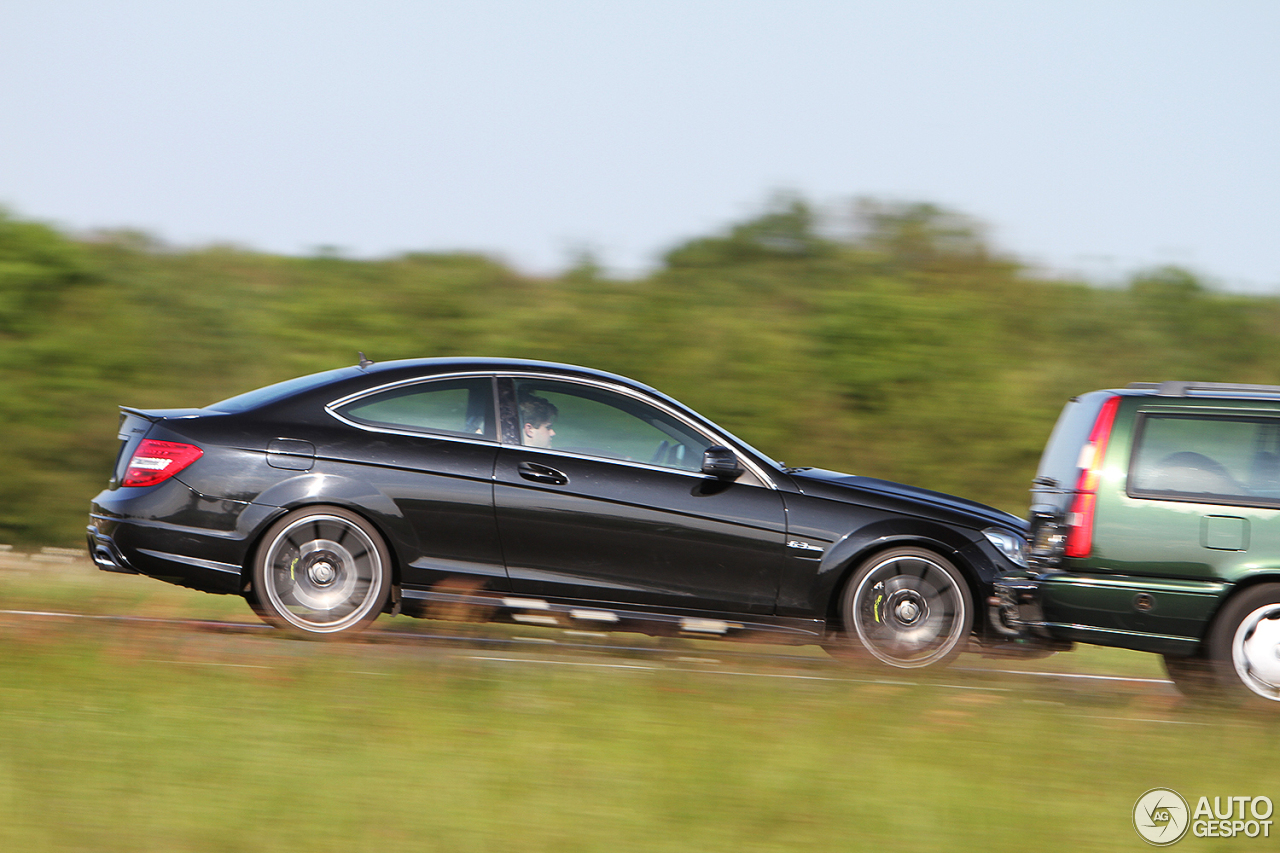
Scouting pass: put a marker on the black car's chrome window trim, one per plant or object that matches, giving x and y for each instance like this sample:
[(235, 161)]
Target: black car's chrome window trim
[(332, 409), (715, 438), (434, 436), (743, 457), (630, 463)]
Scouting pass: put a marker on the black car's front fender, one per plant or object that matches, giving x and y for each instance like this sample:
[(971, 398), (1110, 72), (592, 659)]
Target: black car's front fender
[(815, 588)]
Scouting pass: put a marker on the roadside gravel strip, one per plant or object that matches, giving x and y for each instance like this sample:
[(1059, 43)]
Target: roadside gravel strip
[(832, 670), (496, 645)]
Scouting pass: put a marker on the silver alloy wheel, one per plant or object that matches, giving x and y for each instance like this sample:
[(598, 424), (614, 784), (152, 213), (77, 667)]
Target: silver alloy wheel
[(1255, 651), (322, 572), (909, 608)]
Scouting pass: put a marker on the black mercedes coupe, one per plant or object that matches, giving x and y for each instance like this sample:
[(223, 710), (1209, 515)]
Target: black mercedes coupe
[(545, 494)]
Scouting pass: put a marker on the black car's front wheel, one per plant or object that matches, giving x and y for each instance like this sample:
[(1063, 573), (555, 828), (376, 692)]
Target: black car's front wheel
[(908, 608), (322, 570)]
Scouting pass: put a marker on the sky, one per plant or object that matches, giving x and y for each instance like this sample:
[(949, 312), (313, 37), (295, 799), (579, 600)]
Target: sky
[(1092, 138)]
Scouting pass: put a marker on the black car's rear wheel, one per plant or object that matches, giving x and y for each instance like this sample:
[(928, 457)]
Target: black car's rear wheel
[(322, 570), (908, 608)]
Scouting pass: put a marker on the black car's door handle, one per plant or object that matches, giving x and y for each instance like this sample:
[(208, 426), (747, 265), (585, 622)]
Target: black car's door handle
[(542, 474)]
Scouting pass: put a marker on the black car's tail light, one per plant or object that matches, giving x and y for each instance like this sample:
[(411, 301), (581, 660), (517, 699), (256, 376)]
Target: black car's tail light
[(156, 461), (1080, 518)]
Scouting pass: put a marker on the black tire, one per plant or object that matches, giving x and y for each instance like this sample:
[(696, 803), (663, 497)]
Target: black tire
[(321, 570), (1244, 644), (908, 608), (1193, 676), (251, 599)]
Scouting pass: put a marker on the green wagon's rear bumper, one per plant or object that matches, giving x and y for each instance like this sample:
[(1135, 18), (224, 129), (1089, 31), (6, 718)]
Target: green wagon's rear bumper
[(1131, 612)]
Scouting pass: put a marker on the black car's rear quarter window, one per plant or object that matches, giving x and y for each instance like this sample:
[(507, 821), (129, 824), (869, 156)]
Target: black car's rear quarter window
[(461, 407)]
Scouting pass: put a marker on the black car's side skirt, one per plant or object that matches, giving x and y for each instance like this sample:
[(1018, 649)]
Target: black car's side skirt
[(592, 616)]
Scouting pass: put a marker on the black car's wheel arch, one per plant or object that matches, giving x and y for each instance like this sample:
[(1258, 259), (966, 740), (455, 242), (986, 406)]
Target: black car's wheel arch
[(850, 563), (376, 522), (338, 490)]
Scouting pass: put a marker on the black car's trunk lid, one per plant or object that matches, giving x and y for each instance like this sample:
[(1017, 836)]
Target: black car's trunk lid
[(134, 426)]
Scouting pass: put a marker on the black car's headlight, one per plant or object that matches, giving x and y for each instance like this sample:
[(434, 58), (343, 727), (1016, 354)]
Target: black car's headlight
[(1013, 546)]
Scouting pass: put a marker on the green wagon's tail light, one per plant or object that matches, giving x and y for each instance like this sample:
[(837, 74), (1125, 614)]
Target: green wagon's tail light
[(156, 461), (1080, 518)]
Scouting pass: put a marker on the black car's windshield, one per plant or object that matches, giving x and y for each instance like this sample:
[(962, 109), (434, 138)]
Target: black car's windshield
[(272, 393)]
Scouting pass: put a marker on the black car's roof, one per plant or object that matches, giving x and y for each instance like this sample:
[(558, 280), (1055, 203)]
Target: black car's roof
[(326, 386), (426, 366), (356, 377), (409, 367)]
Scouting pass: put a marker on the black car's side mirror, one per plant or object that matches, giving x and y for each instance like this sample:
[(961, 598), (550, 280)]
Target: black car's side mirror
[(721, 462)]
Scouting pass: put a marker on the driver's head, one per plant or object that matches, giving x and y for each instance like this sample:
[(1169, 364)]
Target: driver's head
[(537, 414)]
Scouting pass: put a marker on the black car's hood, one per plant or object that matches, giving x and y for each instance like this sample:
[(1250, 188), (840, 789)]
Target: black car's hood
[(847, 487)]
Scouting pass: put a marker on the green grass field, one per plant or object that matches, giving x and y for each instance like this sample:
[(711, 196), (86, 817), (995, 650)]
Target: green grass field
[(118, 737)]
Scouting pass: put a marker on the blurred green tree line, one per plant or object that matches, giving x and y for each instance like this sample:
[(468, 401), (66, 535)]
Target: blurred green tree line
[(892, 341)]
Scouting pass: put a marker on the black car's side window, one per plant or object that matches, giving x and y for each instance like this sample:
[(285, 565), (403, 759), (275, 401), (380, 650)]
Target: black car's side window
[(462, 407), (1209, 459), (594, 421)]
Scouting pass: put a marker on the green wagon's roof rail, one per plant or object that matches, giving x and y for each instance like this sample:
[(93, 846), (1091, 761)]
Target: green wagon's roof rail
[(1179, 388)]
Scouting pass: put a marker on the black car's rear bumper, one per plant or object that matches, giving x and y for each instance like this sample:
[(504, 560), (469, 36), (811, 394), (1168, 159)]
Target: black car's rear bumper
[(174, 534), (105, 554), (156, 562)]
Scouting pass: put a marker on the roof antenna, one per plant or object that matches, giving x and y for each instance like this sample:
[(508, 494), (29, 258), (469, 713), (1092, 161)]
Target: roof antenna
[(364, 362)]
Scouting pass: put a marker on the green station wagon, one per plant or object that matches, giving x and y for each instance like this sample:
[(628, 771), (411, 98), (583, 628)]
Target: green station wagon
[(1155, 525)]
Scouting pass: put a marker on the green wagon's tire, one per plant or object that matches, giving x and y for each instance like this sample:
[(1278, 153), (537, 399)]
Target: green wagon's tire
[(1193, 676), (1244, 644)]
